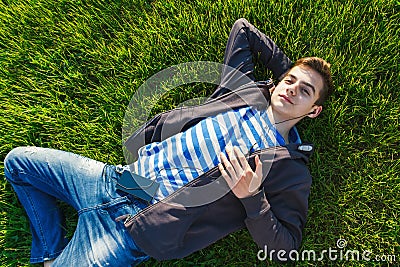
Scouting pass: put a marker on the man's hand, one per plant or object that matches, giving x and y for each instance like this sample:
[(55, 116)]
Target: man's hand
[(238, 173)]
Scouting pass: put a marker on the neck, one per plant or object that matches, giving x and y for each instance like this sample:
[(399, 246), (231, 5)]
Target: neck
[(282, 123)]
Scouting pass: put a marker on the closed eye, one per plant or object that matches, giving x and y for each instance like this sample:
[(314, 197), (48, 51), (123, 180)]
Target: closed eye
[(288, 81), (304, 90)]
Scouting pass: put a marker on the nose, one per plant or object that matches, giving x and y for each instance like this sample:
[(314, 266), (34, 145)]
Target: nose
[(292, 90)]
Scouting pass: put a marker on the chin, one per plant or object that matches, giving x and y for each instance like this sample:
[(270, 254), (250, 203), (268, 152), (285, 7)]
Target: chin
[(279, 108)]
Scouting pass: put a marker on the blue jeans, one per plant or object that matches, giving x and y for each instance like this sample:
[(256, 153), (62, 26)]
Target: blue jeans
[(40, 176)]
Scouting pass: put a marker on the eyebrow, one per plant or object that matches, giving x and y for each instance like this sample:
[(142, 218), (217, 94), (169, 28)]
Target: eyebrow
[(306, 83)]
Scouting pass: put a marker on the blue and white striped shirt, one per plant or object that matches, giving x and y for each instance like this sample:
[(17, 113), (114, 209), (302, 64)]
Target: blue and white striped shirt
[(183, 157)]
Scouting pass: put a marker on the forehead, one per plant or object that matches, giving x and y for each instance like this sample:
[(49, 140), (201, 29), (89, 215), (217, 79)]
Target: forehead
[(307, 75)]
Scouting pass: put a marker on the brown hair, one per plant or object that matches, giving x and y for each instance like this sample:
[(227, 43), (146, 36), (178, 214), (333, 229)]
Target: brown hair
[(323, 68)]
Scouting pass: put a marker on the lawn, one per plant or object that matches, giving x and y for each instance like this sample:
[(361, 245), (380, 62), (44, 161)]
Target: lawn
[(68, 70)]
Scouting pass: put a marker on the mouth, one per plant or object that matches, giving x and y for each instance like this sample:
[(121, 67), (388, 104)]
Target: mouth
[(286, 98)]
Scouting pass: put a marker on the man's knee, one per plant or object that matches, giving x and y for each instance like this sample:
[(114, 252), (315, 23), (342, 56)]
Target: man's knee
[(13, 160)]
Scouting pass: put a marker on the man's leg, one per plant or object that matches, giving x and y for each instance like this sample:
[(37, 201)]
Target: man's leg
[(101, 241), (246, 41), (40, 176)]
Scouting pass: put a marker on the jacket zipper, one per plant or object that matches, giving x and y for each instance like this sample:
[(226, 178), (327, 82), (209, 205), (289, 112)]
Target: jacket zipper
[(131, 217)]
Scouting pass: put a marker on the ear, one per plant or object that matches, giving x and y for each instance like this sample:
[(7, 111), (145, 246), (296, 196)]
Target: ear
[(316, 110), (272, 89)]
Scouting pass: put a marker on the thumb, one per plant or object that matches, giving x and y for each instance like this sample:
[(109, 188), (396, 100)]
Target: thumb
[(257, 178), (259, 167)]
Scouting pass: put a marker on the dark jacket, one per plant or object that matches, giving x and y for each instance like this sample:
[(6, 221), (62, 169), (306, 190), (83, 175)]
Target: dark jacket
[(275, 216)]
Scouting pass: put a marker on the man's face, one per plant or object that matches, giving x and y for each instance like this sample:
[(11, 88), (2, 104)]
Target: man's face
[(296, 94)]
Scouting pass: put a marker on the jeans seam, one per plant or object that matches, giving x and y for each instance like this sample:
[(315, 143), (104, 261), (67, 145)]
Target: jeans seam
[(42, 239), (109, 179), (123, 200)]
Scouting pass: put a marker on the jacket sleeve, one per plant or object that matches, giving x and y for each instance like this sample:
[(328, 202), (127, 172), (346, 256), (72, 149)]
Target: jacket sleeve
[(245, 43), (276, 220)]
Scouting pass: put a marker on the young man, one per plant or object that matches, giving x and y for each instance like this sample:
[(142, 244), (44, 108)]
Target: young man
[(118, 229)]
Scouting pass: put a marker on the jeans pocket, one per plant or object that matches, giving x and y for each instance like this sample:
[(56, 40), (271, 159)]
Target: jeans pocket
[(124, 205), (111, 176)]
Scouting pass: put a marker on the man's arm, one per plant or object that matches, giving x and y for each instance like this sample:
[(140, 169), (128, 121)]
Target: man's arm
[(278, 222), (244, 43)]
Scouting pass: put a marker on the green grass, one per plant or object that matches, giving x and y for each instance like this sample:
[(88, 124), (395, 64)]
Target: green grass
[(68, 71)]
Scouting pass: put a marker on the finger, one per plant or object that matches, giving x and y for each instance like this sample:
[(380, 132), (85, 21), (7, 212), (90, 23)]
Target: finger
[(259, 167), (223, 172), (228, 167), (257, 177), (241, 158), (234, 161)]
